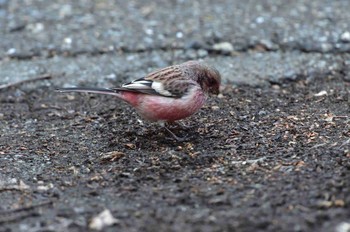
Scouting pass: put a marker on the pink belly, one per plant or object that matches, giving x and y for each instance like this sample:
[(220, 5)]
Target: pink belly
[(158, 108)]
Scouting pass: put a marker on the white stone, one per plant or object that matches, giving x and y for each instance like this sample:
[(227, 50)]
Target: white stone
[(224, 46), (345, 37), (102, 220)]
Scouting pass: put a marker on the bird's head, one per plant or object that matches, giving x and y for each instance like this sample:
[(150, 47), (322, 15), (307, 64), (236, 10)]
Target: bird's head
[(209, 79)]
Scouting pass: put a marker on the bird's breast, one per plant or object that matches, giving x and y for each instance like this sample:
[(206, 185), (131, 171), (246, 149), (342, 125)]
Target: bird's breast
[(159, 108)]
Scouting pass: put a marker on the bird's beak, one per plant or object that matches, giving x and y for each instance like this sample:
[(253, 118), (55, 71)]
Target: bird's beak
[(215, 91)]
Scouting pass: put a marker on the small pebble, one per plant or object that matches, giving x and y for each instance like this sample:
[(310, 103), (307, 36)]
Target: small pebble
[(321, 93), (225, 47), (345, 37)]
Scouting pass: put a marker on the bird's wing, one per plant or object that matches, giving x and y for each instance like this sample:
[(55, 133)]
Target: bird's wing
[(167, 82)]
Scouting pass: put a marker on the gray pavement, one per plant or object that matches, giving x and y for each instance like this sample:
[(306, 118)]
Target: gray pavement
[(96, 41)]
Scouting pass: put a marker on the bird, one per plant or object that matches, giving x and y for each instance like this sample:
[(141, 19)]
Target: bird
[(168, 94)]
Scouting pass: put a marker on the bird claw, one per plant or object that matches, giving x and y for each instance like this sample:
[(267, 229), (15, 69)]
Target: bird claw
[(183, 126)]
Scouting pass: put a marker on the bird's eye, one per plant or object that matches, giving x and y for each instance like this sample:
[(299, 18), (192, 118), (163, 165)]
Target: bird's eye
[(211, 81)]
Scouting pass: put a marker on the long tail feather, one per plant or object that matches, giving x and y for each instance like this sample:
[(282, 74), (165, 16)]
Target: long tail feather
[(89, 90)]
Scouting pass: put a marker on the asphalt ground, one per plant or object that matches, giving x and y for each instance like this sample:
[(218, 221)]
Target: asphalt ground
[(270, 153)]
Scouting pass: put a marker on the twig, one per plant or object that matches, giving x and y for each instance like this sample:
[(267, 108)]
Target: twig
[(252, 161), (16, 214), (318, 145), (20, 187), (39, 78), (346, 142)]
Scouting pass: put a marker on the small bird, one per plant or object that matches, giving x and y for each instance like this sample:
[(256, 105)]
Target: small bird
[(166, 95)]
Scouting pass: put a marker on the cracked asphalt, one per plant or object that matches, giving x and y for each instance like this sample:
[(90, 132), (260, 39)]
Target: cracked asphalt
[(270, 153)]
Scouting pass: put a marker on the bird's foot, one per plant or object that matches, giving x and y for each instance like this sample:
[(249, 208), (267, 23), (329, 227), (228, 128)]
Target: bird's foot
[(183, 125), (177, 138)]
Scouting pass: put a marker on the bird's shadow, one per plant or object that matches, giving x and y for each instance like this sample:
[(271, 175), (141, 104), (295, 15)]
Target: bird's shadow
[(174, 134)]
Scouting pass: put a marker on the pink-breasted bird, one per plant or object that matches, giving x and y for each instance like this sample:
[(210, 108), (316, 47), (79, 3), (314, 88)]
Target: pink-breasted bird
[(166, 95)]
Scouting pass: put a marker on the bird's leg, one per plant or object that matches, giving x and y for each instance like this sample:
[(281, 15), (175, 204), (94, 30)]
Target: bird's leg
[(177, 138)]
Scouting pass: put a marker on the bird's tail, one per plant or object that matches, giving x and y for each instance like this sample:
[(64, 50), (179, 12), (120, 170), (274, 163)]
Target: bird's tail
[(89, 90)]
